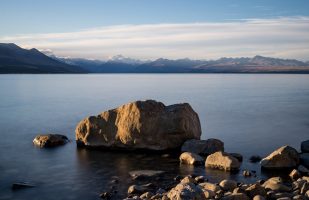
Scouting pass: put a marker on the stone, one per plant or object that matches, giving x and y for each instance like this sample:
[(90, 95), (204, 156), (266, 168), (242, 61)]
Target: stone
[(304, 188), (284, 198), (304, 146), (302, 169), (255, 159), (21, 185), (209, 194), (228, 185), (188, 179), (294, 174), (200, 179), (255, 189), (210, 186), (203, 147), (106, 195), (145, 174), (222, 161), (307, 194), (236, 196), (140, 125), (191, 159), (299, 197), (187, 191), (139, 189), (284, 157), (246, 173), (276, 184), (258, 197), (50, 140), (146, 195), (238, 156), (304, 159)]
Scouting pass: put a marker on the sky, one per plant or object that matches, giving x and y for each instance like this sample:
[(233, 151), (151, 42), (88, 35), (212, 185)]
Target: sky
[(144, 29)]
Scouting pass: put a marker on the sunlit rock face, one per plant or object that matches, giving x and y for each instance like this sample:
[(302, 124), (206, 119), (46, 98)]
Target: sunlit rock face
[(140, 125)]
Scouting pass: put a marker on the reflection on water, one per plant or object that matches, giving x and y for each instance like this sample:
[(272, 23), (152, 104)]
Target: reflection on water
[(252, 114)]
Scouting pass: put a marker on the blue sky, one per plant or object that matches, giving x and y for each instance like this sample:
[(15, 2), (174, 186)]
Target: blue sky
[(34, 18)]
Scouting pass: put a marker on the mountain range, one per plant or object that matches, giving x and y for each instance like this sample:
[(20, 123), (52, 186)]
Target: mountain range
[(14, 59)]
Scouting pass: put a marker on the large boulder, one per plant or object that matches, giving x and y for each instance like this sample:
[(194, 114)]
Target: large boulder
[(305, 146), (140, 125), (203, 147), (50, 140), (284, 157), (223, 161)]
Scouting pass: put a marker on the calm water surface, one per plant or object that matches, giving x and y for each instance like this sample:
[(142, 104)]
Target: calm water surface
[(252, 114)]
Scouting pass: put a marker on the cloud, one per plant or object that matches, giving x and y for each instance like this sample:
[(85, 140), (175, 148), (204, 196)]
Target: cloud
[(280, 37)]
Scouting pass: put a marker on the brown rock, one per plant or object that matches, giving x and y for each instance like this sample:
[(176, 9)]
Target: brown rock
[(258, 197), (140, 125), (284, 157), (276, 184), (255, 189), (50, 140), (186, 191), (228, 185), (294, 174), (210, 186), (191, 159), (223, 161), (236, 196)]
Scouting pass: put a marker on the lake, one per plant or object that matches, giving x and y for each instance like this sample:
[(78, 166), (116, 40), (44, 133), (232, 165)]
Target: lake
[(251, 113)]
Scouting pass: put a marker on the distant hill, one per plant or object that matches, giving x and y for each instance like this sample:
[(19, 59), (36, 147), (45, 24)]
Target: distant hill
[(14, 59)]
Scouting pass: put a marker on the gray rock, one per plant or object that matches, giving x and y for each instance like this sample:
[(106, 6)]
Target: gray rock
[(223, 161), (203, 147), (191, 159), (305, 146), (140, 189), (302, 169), (284, 157), (50, 140), (145, 174)]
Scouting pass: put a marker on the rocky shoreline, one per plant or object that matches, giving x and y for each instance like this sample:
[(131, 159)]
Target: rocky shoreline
[(152, 126)]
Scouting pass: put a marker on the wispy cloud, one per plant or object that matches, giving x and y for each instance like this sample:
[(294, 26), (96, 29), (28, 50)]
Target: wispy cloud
[(280, 37)]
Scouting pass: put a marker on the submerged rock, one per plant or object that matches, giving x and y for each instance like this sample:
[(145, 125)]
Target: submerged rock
[(191, 159), (50, 140), (140, 125), (223, 161), (144, 174), (21, 185), (203, 147), (238, 156), (255, 158), (284, 157)]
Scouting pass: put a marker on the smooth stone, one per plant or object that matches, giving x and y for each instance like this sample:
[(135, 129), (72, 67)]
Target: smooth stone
[(186, 191), (191, 159), (140, 125), (106, 195), (140, 189), (276, 184), (284, 157), (222, 161), (238, 156), (304, 188), (255, 189), (304, 146), (146, 195), (304, 159), (236, 196), (299, 197), (188, 179), (246, 173), (50, 140), (258, 197), (209, 194), (22, 185), (228, 185), (200, 179), (144, 174), (210, 186), (203, 147), (294, 174)]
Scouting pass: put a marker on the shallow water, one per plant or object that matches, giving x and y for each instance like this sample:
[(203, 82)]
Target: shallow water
[(251, 113)]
